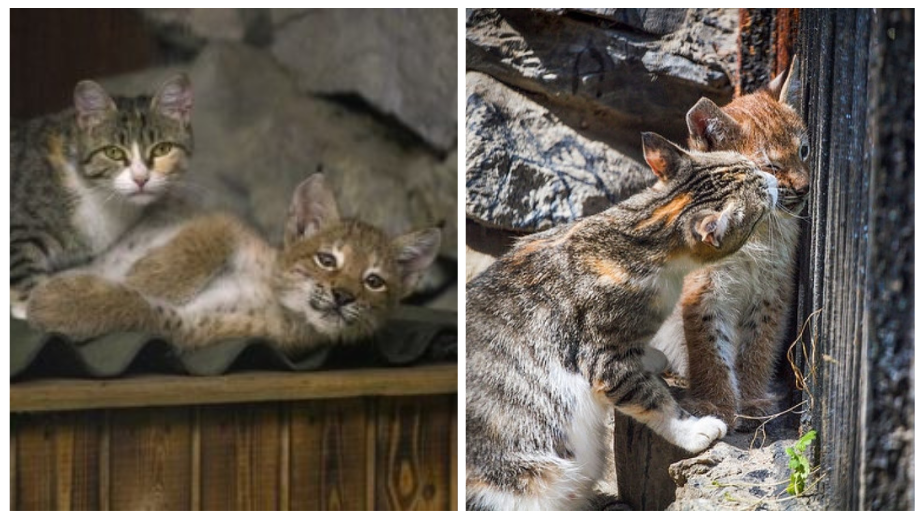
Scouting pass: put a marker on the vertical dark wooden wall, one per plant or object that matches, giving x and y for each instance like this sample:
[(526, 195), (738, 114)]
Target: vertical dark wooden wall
[(52, 49), (372, 453), (856, 268)]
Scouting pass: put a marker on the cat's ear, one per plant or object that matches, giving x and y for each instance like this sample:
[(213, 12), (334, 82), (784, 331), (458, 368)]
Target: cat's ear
[(787, 86), (710, 128), (313, 207), (663, 156), (92, 103), (174, 99), (709, 227), (415, 252)]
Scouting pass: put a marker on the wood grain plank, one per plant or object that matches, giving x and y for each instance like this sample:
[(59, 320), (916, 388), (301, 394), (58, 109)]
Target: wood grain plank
[(14, 502), (412, 453), (240, 457), (329, 459), (454, 458), (149, 459), (34, 487), (158, 390), (56, 461)]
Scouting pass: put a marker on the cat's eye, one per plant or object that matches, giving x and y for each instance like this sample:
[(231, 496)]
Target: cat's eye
[(804, 151), (374, 282), (161, 149), (326, 260), (115, 153)]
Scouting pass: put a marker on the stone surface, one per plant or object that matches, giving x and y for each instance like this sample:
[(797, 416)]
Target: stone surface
[(401, 61), (613, 78), (257, 137), (734, 475), (528, 170), (653, 21)]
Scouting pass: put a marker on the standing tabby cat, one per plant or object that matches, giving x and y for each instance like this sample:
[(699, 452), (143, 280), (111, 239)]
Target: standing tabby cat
[(555, 329), (211, 278), (81, 178), (726, 332)]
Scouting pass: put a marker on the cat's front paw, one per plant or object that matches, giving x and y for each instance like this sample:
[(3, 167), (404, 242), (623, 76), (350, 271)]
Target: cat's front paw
[(18, 305), (702, 432)]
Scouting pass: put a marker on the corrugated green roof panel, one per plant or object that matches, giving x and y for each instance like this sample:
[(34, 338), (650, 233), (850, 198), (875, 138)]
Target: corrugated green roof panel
[(412, 335)]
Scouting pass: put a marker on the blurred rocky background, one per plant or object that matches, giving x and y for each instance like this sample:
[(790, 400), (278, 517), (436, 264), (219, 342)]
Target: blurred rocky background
[(368, 95), (556, 102)]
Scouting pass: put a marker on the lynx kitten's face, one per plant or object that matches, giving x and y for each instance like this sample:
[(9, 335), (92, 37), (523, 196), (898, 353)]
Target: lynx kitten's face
[(343, 280)]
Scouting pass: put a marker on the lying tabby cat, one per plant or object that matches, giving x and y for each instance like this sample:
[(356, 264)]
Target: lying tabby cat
[(726, 333), (81, 178), (555, 329), (212, 279)]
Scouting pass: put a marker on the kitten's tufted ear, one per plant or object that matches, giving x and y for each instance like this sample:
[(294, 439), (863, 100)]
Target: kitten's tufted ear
[(313, 207), (710, 227), (415, 252), (92, 103), (788, 92), (174, 99), (663, 156), (710, 128)]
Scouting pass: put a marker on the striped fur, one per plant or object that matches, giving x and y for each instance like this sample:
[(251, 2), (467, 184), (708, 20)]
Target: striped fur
[(81, 178), (727, 331), (212, 278), (556, 328)]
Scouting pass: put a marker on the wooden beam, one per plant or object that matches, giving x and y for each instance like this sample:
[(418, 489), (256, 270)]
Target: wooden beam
[(159, 390)]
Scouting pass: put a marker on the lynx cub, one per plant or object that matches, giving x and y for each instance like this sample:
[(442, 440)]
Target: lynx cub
[(726, 332), (212, 278)]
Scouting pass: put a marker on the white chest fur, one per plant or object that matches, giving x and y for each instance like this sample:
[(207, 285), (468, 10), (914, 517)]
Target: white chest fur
[(100, 217)]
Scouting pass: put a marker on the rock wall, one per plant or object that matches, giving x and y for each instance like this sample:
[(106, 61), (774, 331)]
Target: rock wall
[(557, 98)]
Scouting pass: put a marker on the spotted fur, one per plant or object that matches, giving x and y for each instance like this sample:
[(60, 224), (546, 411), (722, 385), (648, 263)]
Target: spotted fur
[(212, 279), (555, 329), (727, 331)]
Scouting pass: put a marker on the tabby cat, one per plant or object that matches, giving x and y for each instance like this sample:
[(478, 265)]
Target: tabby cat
[(555, 329), (212, 278), (727, 330), (81, 178)]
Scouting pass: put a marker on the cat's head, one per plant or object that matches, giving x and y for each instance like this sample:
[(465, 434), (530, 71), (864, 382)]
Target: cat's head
[(342, 275), (765, 127), (712, 200), (134, 148)]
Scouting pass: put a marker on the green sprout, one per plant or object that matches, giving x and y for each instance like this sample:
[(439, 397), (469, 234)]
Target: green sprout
[(799, 464)]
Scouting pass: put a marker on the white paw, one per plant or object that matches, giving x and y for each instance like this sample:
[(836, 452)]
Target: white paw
[(18, 309), (701, 433)]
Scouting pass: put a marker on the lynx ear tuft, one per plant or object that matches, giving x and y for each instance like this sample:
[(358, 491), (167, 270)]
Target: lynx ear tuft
[(415, 252), (710, 128), (313, 207), (710, 227), (663, 156), (92, 103)]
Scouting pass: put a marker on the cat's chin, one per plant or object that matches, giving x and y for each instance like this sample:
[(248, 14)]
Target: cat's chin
[(141, 198), (329, 324)]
